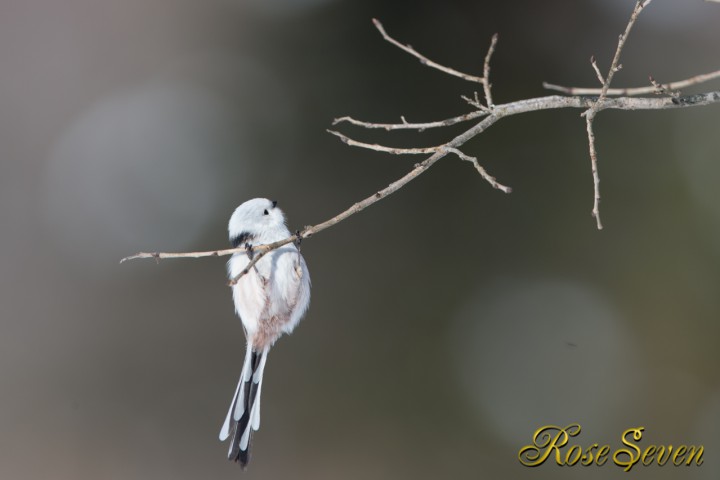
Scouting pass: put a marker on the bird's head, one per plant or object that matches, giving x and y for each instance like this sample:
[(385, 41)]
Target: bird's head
[(253, 218)]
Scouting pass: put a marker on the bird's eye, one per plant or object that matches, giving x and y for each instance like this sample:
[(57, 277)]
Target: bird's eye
[(266, 212)]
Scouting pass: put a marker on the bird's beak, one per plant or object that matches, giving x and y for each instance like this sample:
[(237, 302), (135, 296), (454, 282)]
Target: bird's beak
[(274, 203)]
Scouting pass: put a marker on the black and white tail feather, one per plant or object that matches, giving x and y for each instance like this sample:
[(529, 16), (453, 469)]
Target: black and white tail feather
[(244, 414)]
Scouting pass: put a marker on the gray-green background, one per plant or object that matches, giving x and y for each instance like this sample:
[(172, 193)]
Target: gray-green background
[(448, 322)]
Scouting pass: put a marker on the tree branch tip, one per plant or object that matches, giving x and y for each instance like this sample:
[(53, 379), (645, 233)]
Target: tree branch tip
[(336, 133), (380, 27)]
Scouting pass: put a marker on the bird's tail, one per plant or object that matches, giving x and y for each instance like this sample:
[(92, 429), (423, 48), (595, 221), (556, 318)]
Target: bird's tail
[(244, 414)]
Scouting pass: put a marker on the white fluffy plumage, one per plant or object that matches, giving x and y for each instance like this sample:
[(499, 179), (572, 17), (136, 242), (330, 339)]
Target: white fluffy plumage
[(270, 300)]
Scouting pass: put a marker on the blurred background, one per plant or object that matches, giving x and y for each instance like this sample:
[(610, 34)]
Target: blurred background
[(448, 322)]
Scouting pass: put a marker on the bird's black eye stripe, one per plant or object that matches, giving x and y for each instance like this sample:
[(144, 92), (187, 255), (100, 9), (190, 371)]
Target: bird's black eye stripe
[(265, 212), (241, 239)]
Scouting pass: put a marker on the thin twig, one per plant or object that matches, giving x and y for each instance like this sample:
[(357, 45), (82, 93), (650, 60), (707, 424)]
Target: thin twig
[(489, 178), (475, 102), (412, 126), (487, 86), (615, 65), (629, 92), (593, 165), (423, 59), (163, 255), (382, 148), (598, 73), (589, 114)]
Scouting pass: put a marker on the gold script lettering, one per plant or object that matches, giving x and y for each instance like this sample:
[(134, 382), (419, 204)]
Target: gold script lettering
[(691, 454), (546, 440), (632, 459)]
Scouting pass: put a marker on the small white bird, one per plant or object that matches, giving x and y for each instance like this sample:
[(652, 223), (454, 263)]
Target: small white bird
[(270, 300)]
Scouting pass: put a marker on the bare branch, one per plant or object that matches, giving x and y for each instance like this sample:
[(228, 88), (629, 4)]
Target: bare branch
[(412, 126), (615, 65), (629, 92), (589, 114), (486, 71), (475, 102), (492, 114), (162, 255), (489, 178), (383, 148), (552, 102), (599, 74), (423, 59), (593, 163)]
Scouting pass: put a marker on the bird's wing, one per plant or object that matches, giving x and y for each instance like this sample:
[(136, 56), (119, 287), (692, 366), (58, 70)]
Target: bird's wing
[(301, 300), (251, 295)]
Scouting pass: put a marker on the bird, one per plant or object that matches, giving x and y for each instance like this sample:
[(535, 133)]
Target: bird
[(270, 300)]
